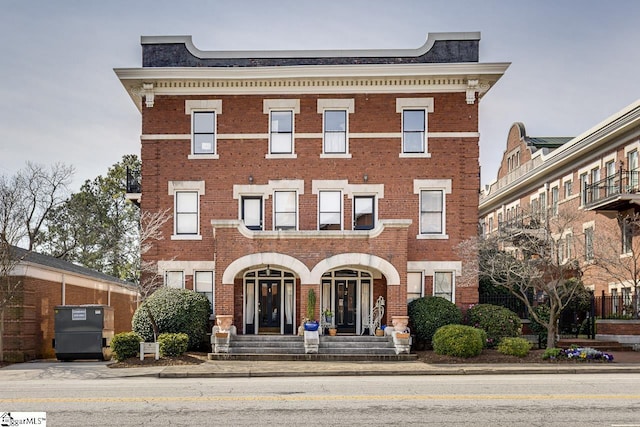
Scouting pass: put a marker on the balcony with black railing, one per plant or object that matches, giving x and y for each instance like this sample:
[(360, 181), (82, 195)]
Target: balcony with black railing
[(134, 185), (614, 193)]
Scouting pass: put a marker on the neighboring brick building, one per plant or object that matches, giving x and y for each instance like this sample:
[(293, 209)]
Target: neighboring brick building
[(48, 282), (594, 174), (353, 173)]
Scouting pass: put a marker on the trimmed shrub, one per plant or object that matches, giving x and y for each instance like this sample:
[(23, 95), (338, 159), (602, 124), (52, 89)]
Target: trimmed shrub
[(497, 321), (514, 346), (125, 345), (427, 314), (175, 311), (173, 344), (458, 340)]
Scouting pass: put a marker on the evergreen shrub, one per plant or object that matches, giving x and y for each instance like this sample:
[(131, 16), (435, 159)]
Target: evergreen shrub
[(125, 345), (458, 340), (173, 345), (427, 314), (514, 346), (497, 321), (175, 311)]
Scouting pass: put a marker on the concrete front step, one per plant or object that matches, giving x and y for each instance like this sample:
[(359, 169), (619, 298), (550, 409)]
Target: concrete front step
[(318, 357), (291, 347)]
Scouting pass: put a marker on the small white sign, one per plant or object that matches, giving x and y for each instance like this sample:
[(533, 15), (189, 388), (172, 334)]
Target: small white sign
[(150, 347), (78, 314), (23, 419)]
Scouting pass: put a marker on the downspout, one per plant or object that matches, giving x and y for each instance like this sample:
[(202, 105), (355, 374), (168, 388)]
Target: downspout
[(64, 289)]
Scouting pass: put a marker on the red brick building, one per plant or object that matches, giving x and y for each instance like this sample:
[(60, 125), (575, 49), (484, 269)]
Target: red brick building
[(352, 173), (47, 282), (595, 175)]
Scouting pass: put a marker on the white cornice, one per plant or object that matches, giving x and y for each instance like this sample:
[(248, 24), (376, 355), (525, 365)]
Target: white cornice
[(431, 39), (318, 71), (337, 79)]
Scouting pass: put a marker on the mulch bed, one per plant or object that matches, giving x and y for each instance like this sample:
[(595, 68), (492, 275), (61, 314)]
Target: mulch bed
[(491, 356), (191, 358)]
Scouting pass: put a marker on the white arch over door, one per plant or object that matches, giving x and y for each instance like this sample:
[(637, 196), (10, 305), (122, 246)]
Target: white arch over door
[(354, 260), (265, 258)]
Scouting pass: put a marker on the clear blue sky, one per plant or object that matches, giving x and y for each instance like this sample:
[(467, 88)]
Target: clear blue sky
[(574, 62)]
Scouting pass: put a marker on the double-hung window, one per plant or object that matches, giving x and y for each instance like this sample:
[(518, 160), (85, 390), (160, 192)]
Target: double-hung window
[(431, 212), (204, 115), (610, 170), (554, 201), (588, 243), (281, 132), (364, 212), (584, 181), (443, 285), (204, 132), (203, 284), (330, 210), (281, 114), (174, 279), (632, 167), (432, 217), (186, 212), (285, 212), (252, 212), (186, 209), (414, 286), (335, 126), (414, 113), (627, 235), (414, 125), (568, 188), (335, 132)]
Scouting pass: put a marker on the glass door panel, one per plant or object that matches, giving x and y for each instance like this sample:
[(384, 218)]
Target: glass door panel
[(269, 309), (345, 305)]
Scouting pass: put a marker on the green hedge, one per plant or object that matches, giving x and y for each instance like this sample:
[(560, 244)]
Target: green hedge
[(125, 345), (497, 321), (427, 314), (514, 346), (175, 311), (459, 341), (173, 344)]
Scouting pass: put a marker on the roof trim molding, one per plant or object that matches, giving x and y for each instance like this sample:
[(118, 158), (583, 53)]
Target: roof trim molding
[(187, 40)]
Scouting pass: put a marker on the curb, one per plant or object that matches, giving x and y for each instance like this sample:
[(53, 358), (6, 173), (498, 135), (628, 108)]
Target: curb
[(176, 373)]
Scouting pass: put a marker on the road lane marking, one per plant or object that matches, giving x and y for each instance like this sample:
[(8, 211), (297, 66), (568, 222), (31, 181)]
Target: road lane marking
[(293, 398)]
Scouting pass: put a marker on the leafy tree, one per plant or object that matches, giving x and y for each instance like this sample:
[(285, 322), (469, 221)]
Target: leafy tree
[(97, 227), (526, 257)]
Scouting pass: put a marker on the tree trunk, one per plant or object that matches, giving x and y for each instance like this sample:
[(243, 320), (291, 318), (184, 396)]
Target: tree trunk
[(154, 325), (552, 329), (2, 335)]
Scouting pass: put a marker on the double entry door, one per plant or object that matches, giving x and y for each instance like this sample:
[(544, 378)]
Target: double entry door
[(347, 294), (269, 303), (345, 313)]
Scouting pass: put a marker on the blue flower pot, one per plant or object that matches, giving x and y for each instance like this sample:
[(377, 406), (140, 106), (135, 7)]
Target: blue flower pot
[(311, 326)]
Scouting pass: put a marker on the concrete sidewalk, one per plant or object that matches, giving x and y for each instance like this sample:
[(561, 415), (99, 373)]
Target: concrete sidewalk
[(86, 370), (236, 368)]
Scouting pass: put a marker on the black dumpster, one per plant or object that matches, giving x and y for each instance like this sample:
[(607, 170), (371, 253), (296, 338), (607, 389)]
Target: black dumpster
[(83, 332)]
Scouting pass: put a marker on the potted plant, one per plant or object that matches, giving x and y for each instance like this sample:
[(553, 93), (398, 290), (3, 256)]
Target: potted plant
[(310, 324)]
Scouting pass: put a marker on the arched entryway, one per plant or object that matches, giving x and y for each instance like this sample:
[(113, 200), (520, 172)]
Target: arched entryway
[(348, 293), (269, 301)]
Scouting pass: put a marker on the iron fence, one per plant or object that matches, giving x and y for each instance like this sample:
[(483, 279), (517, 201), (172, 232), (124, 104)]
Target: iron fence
[(616, 306)]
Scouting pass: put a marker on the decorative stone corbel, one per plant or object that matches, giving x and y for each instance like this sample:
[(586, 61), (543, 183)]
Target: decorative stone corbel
[(149, 94), (472, 87)]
